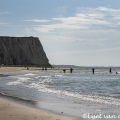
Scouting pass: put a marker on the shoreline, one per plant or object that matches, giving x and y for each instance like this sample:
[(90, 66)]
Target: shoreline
[(10, 110), (39, 89), (12, 69)]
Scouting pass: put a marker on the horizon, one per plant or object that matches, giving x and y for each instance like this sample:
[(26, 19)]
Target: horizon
[(82, 33), (83, 66)]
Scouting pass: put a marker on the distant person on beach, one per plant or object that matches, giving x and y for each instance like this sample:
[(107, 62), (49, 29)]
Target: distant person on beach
[(42, 68), (93, 70), (71, 70), (116, 72), (45, 68), (64, 70), (110, 71)]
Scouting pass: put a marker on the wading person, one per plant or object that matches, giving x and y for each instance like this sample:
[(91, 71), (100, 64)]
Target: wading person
[(110, 71), (93, 70), (71, 70), (64, 70)]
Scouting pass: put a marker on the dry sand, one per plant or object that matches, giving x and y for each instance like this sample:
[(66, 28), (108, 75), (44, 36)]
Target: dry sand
[(13, 111), (12, 69), (17, 69)]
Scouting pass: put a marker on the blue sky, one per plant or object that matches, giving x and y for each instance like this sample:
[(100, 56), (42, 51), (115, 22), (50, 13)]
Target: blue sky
[(75, 32)]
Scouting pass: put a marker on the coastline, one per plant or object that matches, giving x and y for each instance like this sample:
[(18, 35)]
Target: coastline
[(61, 94), (14, 111), (12, 69), (10, 110)]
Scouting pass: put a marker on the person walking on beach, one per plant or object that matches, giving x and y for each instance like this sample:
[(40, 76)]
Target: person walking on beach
[(71, 70), (93, 70)]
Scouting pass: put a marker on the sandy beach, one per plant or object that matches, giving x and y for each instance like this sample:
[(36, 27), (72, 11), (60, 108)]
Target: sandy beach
[(12, 69), (14, 111)]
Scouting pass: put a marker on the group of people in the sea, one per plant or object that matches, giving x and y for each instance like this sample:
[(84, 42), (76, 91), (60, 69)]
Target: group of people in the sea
[(93, 70), (110, 71), (71, 70)]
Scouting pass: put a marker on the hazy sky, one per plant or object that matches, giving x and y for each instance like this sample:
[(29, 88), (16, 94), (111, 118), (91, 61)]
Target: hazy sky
[(76, 32)]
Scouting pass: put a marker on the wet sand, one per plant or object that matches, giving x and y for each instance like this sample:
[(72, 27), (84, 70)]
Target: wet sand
[(14, 111)]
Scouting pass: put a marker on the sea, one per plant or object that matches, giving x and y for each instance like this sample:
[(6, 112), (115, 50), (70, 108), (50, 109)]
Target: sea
[(80, 94)]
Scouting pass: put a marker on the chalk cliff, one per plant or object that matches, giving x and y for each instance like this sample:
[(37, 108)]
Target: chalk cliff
[(22, 51)]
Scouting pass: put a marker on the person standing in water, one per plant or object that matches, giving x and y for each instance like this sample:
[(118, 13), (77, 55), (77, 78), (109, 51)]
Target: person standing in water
[(46, 68), (110, 71), (93, 70), (64, 70), (71, 70)]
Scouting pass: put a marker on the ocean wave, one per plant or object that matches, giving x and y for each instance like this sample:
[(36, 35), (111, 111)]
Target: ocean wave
[(90, 98), (19, 81), (30, 74), (46, 81), (38, 77), (58, 75), (45, 76)]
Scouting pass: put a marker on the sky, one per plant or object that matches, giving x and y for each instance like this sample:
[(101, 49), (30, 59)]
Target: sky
[(72, 32)]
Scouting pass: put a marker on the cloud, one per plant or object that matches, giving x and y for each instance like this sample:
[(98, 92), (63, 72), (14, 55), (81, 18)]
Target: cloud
[(85, 18), (44, 29), (5, 24), (88, 32), (28, 29), (89, 26), (4, 13), (87, 51), (53, 27), (37, 20), (82, 19), (62, 9), (106, 9)]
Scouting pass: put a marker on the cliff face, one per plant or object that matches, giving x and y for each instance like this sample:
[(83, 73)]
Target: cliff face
[(22, 51)]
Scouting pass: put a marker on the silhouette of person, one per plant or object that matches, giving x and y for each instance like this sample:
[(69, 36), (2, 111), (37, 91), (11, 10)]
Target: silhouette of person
[(110, 71), (93, 70), (71, 70), (116, 72), (64, 70), (45, 68)]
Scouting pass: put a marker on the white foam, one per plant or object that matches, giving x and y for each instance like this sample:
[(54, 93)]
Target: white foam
[(46, 81), (19, 81), (58, 75), (36, 86), (30, 74), (45, 76), (38, 77), (94, 99)]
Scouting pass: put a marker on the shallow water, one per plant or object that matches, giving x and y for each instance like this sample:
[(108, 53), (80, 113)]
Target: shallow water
[(76, 94)]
